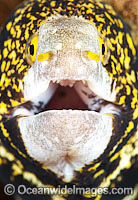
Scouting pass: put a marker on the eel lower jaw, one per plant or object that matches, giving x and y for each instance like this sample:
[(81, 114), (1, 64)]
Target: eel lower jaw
[(66, 139)]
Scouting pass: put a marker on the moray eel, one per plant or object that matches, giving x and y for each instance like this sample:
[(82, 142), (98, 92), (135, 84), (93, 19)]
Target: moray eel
[(66, 48)]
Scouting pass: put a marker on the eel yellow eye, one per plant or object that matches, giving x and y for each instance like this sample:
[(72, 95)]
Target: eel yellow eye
[(102, 47), (32, 49), (105, 50), (92, 56), (45, 56)]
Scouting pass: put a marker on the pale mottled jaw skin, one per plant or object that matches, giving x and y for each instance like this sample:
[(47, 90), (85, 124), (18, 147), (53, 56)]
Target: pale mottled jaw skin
[(65, 140)]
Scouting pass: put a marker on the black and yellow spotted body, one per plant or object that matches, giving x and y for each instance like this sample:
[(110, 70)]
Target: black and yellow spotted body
[(111, 169)]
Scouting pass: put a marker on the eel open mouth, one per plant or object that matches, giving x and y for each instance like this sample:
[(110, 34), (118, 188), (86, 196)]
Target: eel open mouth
[(67, 94), (66, 97), (77, 95)]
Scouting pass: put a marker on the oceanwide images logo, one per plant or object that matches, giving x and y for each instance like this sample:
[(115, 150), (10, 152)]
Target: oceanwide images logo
[(10, 189)]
